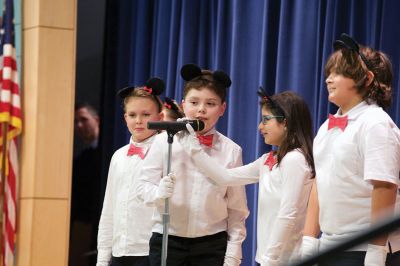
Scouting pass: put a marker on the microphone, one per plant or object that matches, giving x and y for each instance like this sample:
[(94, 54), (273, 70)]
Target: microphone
[(197, 125)]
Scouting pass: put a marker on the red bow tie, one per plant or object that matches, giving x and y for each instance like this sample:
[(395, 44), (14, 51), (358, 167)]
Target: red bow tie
[(135, 150), (271, 160), (340, 122), (206, 140)]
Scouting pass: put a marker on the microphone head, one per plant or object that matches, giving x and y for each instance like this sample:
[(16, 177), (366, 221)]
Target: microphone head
[(197, 125)]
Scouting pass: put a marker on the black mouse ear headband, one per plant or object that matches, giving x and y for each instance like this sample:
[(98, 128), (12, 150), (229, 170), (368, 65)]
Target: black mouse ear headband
[(348, 43), (191, 71), (269, 101), (154, 86)]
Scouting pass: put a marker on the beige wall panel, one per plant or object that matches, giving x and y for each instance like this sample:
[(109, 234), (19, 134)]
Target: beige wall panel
[(29, 103), (49, 13), (46, 162), (52, 117), (24, 233), (48, 102), (30, 13), (43, 241)]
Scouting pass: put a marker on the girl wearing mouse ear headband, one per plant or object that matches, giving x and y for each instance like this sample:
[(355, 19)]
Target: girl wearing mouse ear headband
[(171, 109), (285, 175)]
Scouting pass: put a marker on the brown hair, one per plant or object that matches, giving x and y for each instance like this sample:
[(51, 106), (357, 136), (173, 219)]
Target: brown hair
[(299, 134), (349, 64), (90, 108), (172, 112), (205, 80), (140, 92)]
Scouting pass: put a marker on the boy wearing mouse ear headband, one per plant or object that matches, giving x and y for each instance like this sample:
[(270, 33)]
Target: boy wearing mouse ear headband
[(285, 175), (207, 222), (357, 159), (125, 223)]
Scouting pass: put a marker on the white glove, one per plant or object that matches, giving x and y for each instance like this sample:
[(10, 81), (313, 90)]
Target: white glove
[(102, 263), (265, 261), (376, 255), (166, 187), (231, 261), (103, 257), (211, 168), (188, 140), (309, 247)]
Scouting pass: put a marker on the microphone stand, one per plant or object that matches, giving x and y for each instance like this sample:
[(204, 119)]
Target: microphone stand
[(164, 249)]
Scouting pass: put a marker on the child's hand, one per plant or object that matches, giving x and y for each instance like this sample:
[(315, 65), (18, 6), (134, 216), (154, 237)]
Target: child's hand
[(231, 261), (188, 140), (376, 255), (266, 261), (166, 186), (309, 247)]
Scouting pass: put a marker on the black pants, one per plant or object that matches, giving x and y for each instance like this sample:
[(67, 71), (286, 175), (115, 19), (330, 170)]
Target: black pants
[(130, 261), (356, 258), (183, 251)]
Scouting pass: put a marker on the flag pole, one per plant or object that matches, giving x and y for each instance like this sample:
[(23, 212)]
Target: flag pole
[(3, 173)]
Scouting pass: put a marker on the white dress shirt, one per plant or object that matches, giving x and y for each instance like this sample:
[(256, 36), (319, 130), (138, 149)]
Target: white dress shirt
[(125, 223), (198, 207), (282, 202), (345, 161)]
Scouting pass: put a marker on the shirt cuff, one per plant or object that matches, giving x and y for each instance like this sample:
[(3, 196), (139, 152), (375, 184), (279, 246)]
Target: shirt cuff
[(234, 250), (103, 257), (231, 261), (379, 177)]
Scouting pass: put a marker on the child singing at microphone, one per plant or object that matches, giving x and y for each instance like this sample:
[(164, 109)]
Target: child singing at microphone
[(207, 222), (284, 176)]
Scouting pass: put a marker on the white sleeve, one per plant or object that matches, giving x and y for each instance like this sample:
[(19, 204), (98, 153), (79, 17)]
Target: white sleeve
[(151, 174), (242, 175), (295, 172), (237, 214), (381, 148), (105, 234)]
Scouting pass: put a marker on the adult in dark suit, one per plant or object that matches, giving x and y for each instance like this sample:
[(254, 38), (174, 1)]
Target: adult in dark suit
[(86, 188)]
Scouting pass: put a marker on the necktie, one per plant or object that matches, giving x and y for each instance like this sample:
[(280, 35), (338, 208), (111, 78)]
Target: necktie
[(340, 122), (206, 140), (271, 160), (135, 150)]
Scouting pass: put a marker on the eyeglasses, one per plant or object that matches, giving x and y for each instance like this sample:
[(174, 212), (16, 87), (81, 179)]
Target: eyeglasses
[(266, 118)]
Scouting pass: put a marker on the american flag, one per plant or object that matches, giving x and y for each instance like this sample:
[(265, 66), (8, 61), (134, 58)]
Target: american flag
[(10, 126)]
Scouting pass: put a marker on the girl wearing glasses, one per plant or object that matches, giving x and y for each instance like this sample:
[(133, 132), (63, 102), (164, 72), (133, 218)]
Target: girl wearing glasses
[(357, 159), (285, 175)]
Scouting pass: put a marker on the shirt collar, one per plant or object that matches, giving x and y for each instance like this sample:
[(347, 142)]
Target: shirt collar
[(144, 144), (357, 110), (210, 132)]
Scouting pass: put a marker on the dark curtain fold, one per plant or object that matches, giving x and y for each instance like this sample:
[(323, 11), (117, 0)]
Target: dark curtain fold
[(280, 45)]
